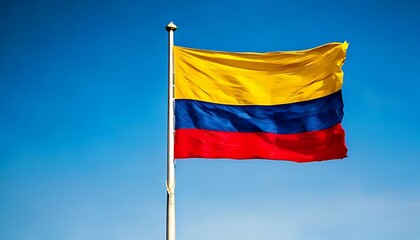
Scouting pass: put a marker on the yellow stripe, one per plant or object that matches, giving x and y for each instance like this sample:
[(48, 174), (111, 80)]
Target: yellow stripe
[(258, 78)]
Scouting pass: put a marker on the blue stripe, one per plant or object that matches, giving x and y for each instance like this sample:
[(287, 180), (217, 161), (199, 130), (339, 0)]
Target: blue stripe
[(317, 114)]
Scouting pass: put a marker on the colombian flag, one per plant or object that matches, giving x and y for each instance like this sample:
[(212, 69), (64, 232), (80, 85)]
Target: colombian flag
[(275, 105)]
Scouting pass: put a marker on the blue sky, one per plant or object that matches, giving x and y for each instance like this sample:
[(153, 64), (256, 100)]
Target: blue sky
[(83, 123)]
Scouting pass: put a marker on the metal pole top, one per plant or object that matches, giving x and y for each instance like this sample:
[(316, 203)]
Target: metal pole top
[(171, 27)]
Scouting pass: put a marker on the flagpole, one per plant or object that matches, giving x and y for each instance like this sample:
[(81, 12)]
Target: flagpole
[(170, 177)]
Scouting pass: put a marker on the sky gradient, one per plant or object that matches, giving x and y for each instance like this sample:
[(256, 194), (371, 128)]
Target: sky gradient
[(83, 87)]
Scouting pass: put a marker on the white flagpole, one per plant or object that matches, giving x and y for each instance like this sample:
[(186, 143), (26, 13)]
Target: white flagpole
[(170, 177)]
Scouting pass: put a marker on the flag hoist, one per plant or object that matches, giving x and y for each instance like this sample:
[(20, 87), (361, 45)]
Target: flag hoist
[(170, 177)]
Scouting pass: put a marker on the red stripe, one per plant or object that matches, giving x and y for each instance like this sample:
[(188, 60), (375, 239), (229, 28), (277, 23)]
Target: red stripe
[(301, 147)]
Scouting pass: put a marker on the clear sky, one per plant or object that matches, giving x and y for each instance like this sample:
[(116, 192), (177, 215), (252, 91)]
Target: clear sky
[(83, 89)]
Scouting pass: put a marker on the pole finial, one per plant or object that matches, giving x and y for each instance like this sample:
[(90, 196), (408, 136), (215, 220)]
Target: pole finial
[(171, 27)]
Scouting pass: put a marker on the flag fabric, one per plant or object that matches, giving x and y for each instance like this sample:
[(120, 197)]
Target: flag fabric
[(275, 105)]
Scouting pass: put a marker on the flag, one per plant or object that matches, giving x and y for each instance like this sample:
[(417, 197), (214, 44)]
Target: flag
[(275, 105)]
